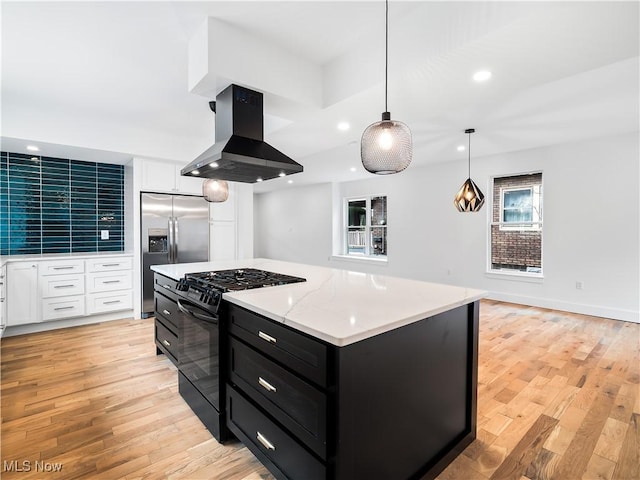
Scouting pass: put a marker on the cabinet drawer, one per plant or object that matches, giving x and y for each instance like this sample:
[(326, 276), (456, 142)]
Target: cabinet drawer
[(266, 439), (56, 267), (62, 285), (299, 406), (161, 283), (167, 309), (109, 264), (167, 341), (62, 307), (109, 301), (108, 281), (303, 354)]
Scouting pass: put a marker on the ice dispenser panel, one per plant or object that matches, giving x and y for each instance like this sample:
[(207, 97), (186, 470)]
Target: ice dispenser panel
[(157, 240)]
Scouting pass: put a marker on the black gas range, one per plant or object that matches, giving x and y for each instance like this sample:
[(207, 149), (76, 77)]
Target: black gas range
[(201, 368), (206, 288)]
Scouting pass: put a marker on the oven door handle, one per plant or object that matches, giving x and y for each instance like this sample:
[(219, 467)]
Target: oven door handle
[(200, 316)]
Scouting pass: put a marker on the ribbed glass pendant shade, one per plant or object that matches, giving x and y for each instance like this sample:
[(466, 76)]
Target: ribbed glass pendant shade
[(386, 146), (469, 198), (215, 191)]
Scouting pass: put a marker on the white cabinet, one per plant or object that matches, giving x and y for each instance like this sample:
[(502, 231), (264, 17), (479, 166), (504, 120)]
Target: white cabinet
[(225, 211), (3, 298), (109, 284), (223, 226), (61, 289), (223, 241), (22, 293), (46, 290), (159, 176)]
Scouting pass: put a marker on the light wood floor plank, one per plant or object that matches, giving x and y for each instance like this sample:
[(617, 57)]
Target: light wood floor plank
[(558, 398)]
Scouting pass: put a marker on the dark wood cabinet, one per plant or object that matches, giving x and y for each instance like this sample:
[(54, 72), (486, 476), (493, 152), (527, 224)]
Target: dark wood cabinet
[(399, 405), (167, 317)]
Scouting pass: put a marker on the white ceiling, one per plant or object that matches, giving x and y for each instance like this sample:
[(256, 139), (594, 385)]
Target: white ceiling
[(112, 76)]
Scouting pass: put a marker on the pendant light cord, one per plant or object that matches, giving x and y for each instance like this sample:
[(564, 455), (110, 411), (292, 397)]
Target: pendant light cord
[(386, 53), (469, 150)]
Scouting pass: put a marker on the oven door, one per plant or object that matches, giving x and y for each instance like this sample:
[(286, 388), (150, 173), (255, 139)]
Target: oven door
[(199, 349)]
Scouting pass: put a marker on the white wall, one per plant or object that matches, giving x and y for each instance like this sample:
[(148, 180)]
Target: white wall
[(591, 226), (294, 224)]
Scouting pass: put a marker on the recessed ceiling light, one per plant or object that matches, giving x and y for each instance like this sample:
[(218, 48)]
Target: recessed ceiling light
[(34, 158), (259, 179), (482, 75), (461, 148), (33, 148), (214, 165), (195, 172), (343, 126), (353, 169), (290, 181), (282, 174)]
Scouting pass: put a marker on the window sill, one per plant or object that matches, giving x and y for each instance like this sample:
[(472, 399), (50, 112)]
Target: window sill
[(360, 259), (515, 276)]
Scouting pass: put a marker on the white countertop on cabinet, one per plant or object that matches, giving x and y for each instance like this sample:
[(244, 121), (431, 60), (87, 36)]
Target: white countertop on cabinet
[(59, 256), (338, 306)]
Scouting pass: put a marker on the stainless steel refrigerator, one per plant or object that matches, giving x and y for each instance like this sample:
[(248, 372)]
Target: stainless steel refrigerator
[(174, 229)]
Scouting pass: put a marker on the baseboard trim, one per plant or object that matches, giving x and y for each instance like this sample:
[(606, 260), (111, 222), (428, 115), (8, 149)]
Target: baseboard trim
[(593, 310), (65, 323)]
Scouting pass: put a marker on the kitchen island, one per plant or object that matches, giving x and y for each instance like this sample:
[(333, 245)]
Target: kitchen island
[(347, 375)]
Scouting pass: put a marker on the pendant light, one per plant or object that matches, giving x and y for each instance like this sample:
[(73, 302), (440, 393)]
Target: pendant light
[(386, 145), (469, 198), (215, 191)]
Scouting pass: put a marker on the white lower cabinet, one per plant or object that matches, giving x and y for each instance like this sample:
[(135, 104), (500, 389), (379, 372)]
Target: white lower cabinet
[(109, 301), (22, 293), (54, 289), (109, 285), (108, 281), (63, 307)]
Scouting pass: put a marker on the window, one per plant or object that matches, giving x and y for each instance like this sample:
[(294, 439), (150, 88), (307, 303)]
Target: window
[(516, 224), (366, 226), (521, 208)]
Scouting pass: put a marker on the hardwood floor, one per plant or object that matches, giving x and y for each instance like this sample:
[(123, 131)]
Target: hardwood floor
[(558, 398)]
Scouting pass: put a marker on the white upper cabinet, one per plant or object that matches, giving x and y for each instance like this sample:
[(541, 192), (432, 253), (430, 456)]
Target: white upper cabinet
[(159, 176)]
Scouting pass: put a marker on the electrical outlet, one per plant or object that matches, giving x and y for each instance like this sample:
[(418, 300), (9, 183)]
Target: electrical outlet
[(579, 285)]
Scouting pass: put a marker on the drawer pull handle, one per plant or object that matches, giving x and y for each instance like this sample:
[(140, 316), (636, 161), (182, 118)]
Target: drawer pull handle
[(111, 281), (111, 302), (266, 337), (166, 312), (64, 268), (266, 385), (64, 308), (267, 444), (167, 287), (110, 264), (63, 286), (167, 343)]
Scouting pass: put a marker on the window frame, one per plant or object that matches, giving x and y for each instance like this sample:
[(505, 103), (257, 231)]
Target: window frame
[(368, 227), (535, 226)]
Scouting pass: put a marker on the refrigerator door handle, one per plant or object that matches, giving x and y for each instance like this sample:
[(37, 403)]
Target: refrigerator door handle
[(171, 239), (175, 240)]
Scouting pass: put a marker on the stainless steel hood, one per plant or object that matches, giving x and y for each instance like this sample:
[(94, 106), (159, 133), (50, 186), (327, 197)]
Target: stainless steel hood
[(240, 153)]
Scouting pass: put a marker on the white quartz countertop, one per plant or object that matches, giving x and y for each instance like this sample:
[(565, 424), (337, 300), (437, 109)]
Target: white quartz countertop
[(58, 256), (338, 306)]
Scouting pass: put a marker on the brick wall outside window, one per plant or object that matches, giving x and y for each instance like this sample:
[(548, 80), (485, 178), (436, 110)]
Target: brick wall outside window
[(513, 249)]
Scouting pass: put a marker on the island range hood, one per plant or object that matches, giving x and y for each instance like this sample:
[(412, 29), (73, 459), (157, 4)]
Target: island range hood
[(240, 153)]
